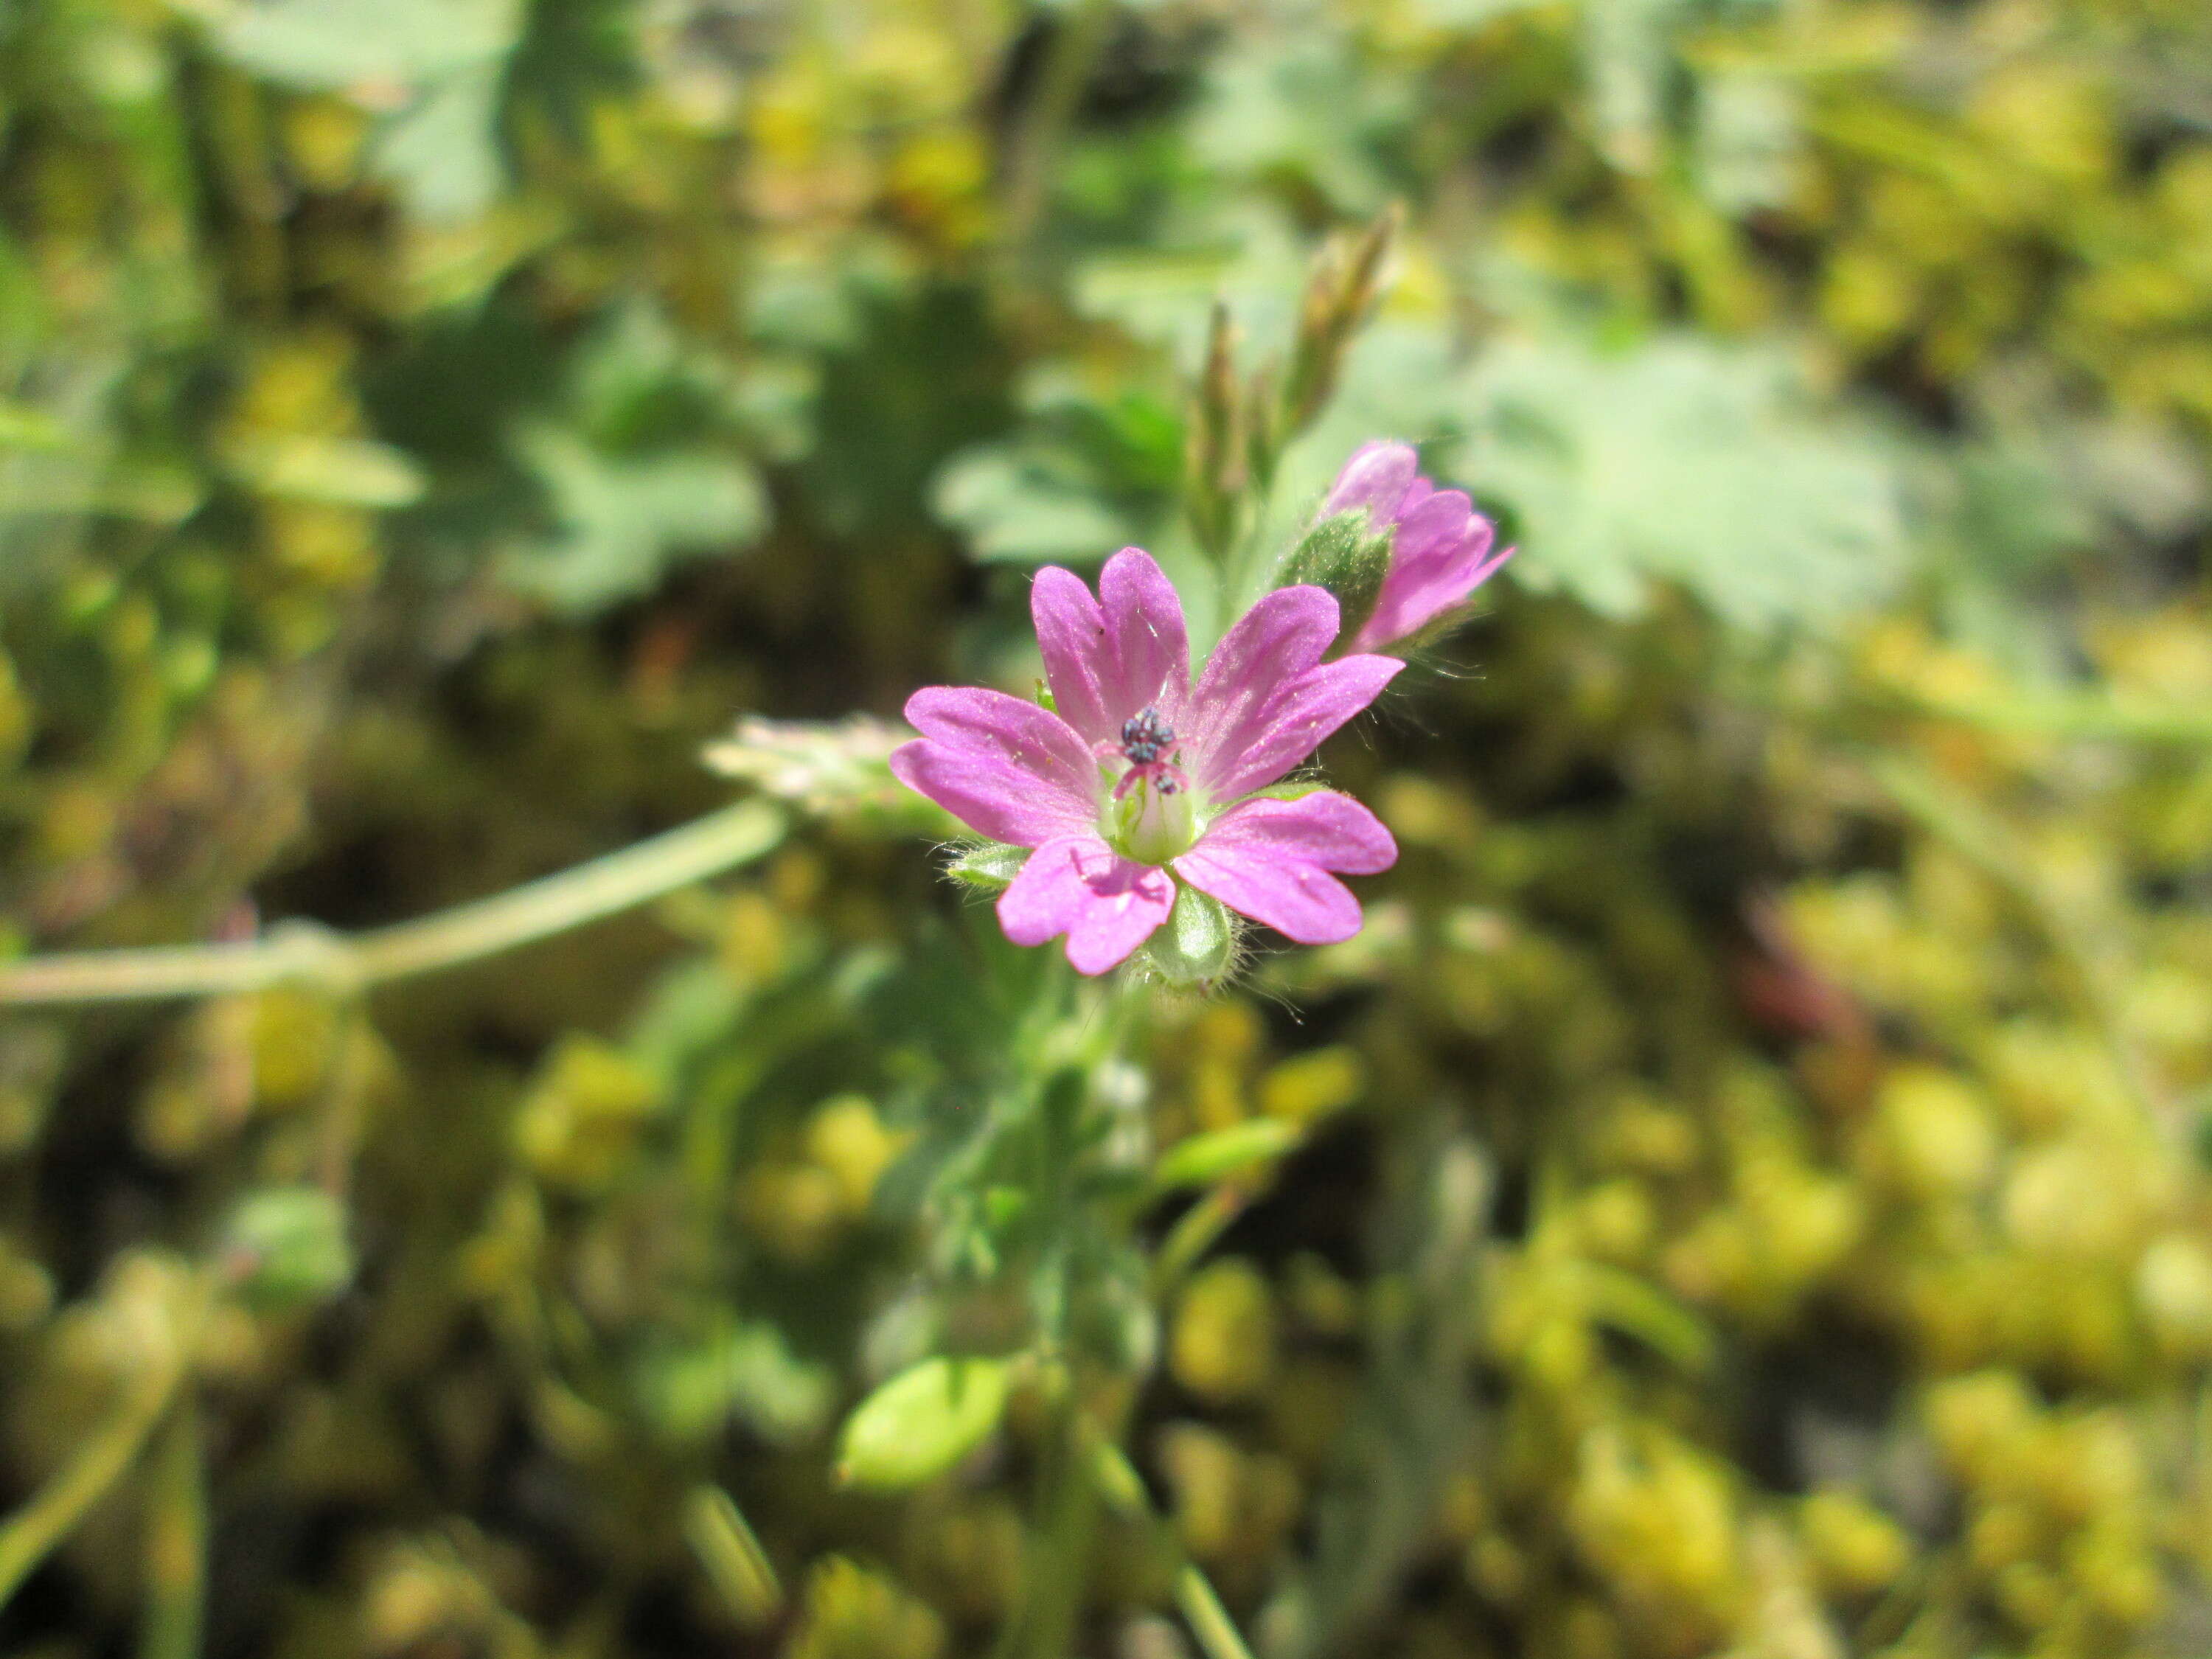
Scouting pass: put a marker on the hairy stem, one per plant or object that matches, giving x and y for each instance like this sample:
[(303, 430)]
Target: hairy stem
[(590, 892)]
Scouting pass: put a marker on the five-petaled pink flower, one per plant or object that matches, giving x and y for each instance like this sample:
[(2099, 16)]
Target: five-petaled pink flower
[(1440, 549), (1134, 771)]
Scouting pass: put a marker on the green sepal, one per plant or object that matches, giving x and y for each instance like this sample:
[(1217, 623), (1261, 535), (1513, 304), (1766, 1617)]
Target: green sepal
[(1342, 555), (920, 1423), (1193, 947), (1289, 789), (991, 866)]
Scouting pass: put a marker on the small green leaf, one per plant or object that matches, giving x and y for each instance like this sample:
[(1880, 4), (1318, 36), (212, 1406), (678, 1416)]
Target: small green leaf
[(920, 1423), (991, 866), (1342, 555), (1204, 1159), (1195, 946)]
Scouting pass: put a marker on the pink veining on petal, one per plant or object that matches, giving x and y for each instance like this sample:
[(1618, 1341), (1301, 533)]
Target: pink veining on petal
[(1070, 632), (1271, 861), (1294, 721), (1275, 642), (1077, 885), (993, 798), (1108, 658), (1152, 647), (993, 725)]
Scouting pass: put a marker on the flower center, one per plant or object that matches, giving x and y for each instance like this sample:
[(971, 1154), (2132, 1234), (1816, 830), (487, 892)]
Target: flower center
[(1150, 819)]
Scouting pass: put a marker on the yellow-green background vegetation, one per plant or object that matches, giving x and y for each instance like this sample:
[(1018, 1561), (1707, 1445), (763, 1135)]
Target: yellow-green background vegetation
[(1744, 1192)]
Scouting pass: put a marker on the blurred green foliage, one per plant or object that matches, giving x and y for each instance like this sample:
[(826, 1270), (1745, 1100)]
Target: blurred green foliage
[(1743, 1195)]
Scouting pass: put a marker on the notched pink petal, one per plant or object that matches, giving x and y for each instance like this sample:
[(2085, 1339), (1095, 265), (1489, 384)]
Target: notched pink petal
[(992, 797), (1289, 724), (1275, 642), (993, 725), (1377, 478), (1298, 900), (1078, 661), (1079, 886), (1144, 628), (1326, 829)]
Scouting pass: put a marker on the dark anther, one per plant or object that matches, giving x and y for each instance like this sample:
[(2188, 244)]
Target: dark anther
[(1145, 737)]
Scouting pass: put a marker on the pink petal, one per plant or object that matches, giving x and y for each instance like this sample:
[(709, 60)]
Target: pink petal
[(993, 726), (1077, 885), (1376, 477), (1105, 662), (1282, 730), (1324, 829), (1272, 644), (1300, 901), (1152, 649), (992, 797), (1070, 632), (1438, 561)]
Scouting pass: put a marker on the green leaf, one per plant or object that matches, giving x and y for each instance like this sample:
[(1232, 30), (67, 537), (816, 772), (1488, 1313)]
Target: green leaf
[(920, 1423), (623, 521), (1206, 1159), (1020, 510), (991, 868), (1689, 462), (1194, 947)]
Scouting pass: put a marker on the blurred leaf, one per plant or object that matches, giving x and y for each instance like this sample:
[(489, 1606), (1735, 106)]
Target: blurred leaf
[(920, 1423), (341, 471), (624, 522), (1218, 1154), (749, 1373), (432, 67), (1684, 461)]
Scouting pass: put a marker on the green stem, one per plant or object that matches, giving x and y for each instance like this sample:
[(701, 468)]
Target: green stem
[(591, 892), (176, 1542), (31, 1533), (1208, 1620)]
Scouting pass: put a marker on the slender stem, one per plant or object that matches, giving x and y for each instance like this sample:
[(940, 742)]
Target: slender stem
[(590, 892), (30, 1534), (176, 1541), (1208, 1620)]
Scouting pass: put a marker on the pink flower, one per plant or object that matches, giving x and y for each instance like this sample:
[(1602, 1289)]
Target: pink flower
[(1440, 551), (1135, 772)]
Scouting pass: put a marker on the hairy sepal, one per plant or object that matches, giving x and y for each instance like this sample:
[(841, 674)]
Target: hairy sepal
[(988, 866), (1194, 949), (1346, 556)]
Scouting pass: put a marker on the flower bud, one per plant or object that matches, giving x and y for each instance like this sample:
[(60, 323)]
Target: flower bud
[(286, 1247), (1346, 555)]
